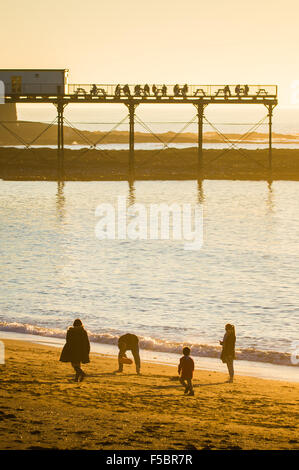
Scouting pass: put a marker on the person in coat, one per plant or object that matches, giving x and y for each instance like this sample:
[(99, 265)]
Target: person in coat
[(128, 342), (228, 349), (76, 349)]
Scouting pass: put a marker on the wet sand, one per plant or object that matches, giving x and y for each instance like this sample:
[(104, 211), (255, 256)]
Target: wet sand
[(41, 407), (170, 164)]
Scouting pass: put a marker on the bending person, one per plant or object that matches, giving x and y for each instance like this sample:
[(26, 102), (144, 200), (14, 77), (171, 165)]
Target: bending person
[(228, 349), (76, 349), (128, 342)]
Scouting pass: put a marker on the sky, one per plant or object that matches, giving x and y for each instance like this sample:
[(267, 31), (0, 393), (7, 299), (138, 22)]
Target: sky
[(162, 41)]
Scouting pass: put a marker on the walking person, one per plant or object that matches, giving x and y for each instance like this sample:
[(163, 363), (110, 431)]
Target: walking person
[(128, 342), (185, 370), (228, 349), (76, 349)]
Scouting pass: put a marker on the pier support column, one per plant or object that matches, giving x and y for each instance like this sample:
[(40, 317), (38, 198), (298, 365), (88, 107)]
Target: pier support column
[(270, 114), (60, 140), (200, 109), (132, 107)]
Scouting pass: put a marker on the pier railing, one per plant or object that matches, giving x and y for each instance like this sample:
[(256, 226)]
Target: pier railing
[(159, 90), (143, 91)]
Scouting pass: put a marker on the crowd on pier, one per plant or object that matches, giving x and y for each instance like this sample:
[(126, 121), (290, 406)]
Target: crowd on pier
[(145, 90), (159, 91)]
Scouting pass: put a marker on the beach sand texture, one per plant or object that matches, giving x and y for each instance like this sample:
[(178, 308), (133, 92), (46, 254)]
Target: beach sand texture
[(171, 164), (41, 407)]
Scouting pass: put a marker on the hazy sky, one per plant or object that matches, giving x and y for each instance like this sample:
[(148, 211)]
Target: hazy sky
[(168, 41)]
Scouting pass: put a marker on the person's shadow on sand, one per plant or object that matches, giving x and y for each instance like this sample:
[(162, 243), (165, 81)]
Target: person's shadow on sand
[(158, 387), (209, 384), (161, 387), (101, 374), (178, 385)]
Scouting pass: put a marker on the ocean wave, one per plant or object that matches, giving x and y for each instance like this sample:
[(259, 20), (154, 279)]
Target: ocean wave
[(153, 344)]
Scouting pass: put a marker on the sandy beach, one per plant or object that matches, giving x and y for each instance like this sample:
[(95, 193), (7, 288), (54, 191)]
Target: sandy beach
[(41, 407), (171, 164)]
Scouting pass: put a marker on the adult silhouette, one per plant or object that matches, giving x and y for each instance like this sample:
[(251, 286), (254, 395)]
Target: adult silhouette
[(76, 348), (228, 349), (128, 342)]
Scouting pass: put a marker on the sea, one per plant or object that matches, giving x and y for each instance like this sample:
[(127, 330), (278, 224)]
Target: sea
[(54, 269)]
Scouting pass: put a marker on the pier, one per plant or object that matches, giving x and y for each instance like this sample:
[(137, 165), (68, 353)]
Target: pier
[(131, 96)]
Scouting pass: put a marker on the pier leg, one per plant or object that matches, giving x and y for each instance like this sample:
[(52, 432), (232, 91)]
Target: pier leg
[(132, 107), (270, 113), (200, 109), (60, 141)]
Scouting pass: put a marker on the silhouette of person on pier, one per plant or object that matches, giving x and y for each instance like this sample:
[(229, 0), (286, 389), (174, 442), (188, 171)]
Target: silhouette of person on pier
[(227, 92), (164, 90), (246, 90), (126, 90), (184, 90), (137, 90), (155, 90), (117, 90), (94, 90), (146, 90), (238, 90), (176, 90)]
